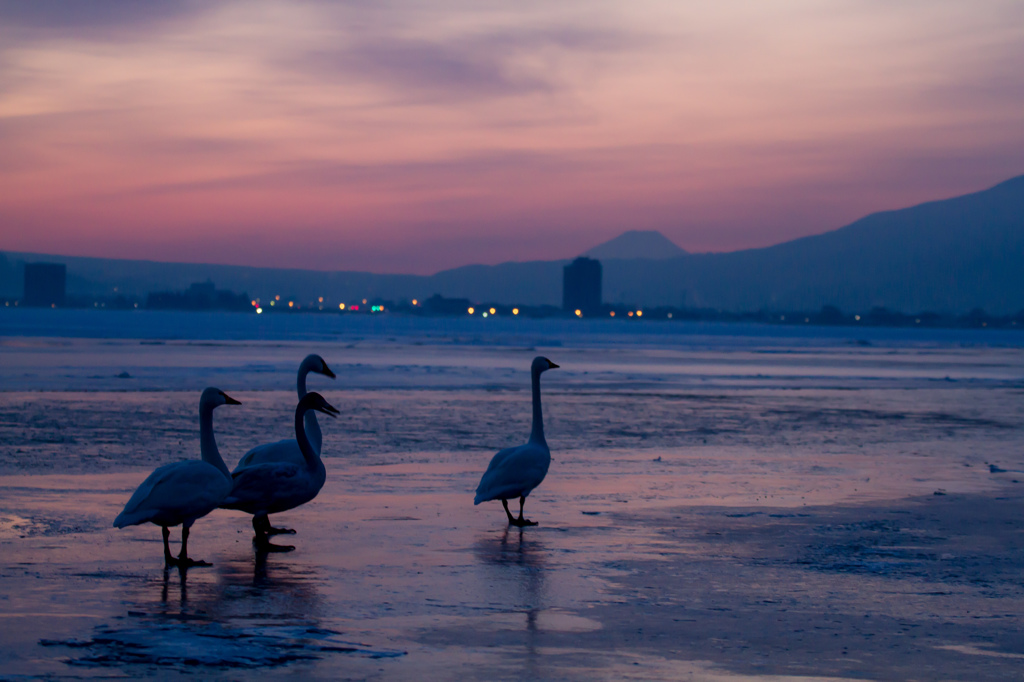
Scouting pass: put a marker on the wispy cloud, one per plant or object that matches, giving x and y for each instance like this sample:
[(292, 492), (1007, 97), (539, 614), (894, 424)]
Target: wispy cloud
[(727, 125)]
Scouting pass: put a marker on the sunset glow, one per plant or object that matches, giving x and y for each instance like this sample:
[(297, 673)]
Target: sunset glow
[(410, 138)]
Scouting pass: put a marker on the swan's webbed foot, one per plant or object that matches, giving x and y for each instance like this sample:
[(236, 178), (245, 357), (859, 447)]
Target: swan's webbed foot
[(513, 521), (520, 522), (182, 560), (261, 524)]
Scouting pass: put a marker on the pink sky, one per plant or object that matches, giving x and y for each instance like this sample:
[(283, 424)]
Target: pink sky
[(413, 137)]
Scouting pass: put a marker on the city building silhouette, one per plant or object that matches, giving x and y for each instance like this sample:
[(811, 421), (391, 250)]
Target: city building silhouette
[(581, 286)]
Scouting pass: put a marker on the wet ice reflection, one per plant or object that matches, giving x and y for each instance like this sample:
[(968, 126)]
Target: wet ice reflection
[(513, 563), (251, 615)]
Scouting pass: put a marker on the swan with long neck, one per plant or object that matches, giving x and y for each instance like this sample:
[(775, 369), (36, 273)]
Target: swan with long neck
[(515, 472), (181, 492), (274, 487), (288, 450)]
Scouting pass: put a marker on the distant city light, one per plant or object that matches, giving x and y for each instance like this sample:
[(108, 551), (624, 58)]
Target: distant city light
[(415, 302), (272, 302), (639, 313), (469, 310), (341, 306), (579, 313), (254, 304), (917, 320), (612, 313), (364, 301), (492, 311), (515, 311), (856, 317), (291, 304), (807, 319), (783, 318), (259, 311), (320, 300), (485, 313), (670, 316), (277, 298), (631, 313), (355, 307)]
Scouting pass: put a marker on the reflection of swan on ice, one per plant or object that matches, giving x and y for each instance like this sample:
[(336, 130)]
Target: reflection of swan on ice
[(288, 450), (273, 487), (181, 492), (515, 472)]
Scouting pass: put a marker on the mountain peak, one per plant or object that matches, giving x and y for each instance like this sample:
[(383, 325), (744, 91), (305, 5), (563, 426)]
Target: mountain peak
[(649, 244)]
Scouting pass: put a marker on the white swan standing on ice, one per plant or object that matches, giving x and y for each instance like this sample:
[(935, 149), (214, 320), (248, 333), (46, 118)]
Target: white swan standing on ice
[(288, 450), (182, 492), (515, 472), (264, 489)]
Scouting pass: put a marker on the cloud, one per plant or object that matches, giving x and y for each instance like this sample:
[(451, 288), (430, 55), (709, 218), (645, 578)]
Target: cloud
[(97, 20), (518, 60)]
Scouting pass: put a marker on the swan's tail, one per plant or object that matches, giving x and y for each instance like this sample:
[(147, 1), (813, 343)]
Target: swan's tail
[(129, 519)]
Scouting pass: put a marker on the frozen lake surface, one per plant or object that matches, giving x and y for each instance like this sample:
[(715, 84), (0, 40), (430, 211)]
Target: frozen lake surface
[(725, 502)]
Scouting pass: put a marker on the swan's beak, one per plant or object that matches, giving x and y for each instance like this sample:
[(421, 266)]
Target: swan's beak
[(329, 409), (328, 372), (552, 365), (228, 400)]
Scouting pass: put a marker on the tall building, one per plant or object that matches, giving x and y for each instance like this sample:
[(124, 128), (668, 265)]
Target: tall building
[(581, 286), (45, 284)]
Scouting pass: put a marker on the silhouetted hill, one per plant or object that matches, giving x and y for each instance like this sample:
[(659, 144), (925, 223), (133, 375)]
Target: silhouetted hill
[(947, 256), (636, 244), (951, 255), (100, 277)]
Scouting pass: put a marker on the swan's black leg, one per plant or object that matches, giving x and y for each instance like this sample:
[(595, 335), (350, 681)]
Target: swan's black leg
[(169, 560), (511, 519), (521, 521), (261, 524), (183, 560)]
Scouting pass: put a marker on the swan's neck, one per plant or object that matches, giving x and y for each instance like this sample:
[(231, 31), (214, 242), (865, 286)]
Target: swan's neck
[(301, 382), (308, 452), (537, 434), (207, 443), (312, 425)]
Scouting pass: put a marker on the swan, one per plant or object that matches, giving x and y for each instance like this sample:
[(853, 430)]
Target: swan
[(288, 450), (273, 487), (182, 492), (515, 472)]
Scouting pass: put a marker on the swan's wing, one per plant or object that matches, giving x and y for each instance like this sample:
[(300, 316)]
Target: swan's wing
[(180, 490), (260, 484), (268, 453), (513, 472), (501, 456)]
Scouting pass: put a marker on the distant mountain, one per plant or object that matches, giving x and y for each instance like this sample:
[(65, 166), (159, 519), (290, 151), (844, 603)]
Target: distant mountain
[(649, 244), (110, 277), (947, 256)]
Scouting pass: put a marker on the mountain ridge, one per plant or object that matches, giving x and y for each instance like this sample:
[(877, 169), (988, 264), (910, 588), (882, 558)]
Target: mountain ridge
[(634, 244), (947, 255)]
